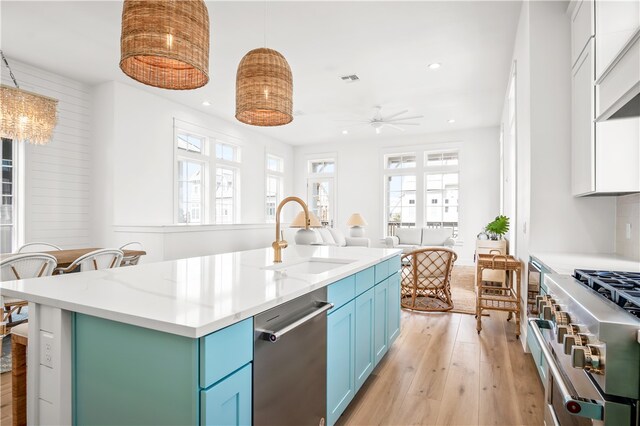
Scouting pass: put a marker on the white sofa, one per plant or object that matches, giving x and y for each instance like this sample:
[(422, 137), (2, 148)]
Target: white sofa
[(409, 239), (334, 237)]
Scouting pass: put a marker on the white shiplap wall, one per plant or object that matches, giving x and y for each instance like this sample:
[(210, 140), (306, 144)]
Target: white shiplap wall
[(57, 175)]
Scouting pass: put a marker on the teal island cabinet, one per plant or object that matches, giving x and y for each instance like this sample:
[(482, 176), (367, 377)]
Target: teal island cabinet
[(363, 323), (126, 375)]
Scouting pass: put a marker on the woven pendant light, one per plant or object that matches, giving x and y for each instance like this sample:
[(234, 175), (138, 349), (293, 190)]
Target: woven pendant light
[(264, 89), (165, 43), (26, 116)]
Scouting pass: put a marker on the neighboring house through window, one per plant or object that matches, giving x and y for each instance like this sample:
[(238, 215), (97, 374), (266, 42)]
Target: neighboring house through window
[(321, 184)]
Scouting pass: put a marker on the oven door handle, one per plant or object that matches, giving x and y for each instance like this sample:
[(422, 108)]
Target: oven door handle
[(273, 336), (575, 405)]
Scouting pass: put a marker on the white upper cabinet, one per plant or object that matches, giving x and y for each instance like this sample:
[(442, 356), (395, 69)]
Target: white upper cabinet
[(582, 27), (616, 22), (582, 123)]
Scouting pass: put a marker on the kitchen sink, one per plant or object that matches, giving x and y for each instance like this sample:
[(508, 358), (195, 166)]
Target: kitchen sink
[(309, 266)]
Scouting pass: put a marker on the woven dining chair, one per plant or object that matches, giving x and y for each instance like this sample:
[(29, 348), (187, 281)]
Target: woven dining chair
[(131, 260), (19, 267), (37, 247), (92, 261), (426, 279)]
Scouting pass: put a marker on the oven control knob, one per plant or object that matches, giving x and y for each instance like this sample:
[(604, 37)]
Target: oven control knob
[(578, 356), (568, 342), (562, 318), (546, 300), (562, 331), (545, 313)]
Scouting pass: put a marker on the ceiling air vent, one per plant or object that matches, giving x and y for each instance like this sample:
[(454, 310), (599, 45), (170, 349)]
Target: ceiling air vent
[(350, 78)]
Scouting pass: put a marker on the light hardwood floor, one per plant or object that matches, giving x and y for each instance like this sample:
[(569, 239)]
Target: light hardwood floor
[(439, 371)]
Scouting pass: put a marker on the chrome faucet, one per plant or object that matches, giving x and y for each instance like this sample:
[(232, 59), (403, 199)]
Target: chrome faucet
[(280, 243)]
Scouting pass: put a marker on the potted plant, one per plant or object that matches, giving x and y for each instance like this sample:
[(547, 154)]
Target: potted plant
[(498, 227)]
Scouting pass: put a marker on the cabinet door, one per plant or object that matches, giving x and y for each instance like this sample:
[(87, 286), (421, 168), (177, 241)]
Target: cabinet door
[(365, 355), (582, 124), (616, 21), (582, 28), (394, 307), (381, 316), (340, 360), (229, 401)]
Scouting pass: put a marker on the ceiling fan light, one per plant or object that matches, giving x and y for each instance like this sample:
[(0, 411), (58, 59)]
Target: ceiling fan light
[(264, 89), (165, 43)]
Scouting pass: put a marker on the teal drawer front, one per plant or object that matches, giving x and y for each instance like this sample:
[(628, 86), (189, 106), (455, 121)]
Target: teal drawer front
[(382, 271), (394, 265), (228, 402), (342, 292), (364, 280), (224, 351)]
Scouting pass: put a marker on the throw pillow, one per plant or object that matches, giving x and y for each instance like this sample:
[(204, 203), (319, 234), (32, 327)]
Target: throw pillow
[(338, 237), (327, 238)]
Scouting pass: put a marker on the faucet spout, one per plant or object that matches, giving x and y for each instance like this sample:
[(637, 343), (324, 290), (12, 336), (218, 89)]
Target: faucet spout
[(280, 243)]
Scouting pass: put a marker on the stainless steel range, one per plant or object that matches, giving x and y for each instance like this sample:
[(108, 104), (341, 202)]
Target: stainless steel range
[(589, 334)]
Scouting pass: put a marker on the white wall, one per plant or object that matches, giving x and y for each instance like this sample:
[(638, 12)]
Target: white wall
[(57, 175), (360, 178), (134, 172)]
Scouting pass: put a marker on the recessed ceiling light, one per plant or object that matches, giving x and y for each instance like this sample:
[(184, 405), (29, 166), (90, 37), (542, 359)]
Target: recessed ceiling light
[(206, 103), (345, 132), (451, 121), (434, 66)]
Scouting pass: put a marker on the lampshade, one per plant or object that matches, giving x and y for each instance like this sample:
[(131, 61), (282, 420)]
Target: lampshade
[(298, 221), (165, 43), (356, 219), (264, 89), (26, 116)]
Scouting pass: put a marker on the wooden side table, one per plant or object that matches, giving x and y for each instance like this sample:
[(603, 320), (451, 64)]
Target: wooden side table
[(492, 247), (506, 298)]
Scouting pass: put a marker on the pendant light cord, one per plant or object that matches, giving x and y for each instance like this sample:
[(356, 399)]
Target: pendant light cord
[(265, 23), (13, 77)]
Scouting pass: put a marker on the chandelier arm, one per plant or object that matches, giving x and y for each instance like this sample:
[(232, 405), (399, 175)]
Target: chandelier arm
[(6, 63)]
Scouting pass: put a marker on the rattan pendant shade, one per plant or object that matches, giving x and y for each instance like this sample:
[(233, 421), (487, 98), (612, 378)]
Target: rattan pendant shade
[(27, 116), (165, 43), (264, 89)]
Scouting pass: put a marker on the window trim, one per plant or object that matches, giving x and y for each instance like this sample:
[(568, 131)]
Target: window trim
[(279, 176), (333, 176)]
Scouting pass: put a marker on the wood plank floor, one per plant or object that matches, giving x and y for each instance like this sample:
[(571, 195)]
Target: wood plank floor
[(441, 372), (438, 372)]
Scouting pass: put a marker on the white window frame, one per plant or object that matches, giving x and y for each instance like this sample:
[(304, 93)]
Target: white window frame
[(419, 171), (278, 175), (17, 193), (207, 157), (331, 177), (441, 170)]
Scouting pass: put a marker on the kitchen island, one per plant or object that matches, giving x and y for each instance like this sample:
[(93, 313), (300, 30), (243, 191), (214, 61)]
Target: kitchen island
[(172, 342)]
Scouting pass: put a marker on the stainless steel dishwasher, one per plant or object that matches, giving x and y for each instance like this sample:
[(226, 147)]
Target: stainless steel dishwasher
[(290, 362)]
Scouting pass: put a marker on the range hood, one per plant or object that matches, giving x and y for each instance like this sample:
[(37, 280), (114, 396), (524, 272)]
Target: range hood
[(618, 87)]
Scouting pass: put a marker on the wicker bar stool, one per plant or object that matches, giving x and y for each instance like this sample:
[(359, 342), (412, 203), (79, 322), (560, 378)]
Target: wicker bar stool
[(426, 278), (506, 299)]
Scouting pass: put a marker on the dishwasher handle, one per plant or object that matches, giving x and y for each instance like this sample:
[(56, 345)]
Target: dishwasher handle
[(273, 336)]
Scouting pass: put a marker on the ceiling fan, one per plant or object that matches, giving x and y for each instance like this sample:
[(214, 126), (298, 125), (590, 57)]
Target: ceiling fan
[(393, 121)]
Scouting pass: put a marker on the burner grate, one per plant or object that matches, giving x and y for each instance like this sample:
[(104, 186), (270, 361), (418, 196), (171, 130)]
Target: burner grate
[(623, 288)]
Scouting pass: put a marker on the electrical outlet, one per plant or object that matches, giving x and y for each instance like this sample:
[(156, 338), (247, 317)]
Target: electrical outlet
[(627, 231), (46, 348)]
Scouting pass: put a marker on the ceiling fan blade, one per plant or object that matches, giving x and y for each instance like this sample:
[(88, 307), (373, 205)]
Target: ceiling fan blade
[(404, 111), (352, 121), (413, 117), (403, 124), (393, 126)]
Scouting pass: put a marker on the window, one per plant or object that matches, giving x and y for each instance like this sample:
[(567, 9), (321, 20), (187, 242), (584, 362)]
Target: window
[(442, 190), (274, 185), (207, 179), (8, 216), (414, 201), (321, 189)]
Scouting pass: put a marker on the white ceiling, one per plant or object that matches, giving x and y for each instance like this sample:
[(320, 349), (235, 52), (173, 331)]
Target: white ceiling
[(388, 44)]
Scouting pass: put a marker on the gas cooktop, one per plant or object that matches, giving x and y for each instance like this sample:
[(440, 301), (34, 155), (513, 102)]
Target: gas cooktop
[(623, 288)]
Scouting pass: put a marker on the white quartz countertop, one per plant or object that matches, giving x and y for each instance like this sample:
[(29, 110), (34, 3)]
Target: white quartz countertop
[(196, 296), (566, 263)]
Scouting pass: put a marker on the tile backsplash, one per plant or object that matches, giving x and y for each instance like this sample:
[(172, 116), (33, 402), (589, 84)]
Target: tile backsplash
[(628, 214)]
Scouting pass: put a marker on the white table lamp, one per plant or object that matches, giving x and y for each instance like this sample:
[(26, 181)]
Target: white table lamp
[(305, 236), (357, 223)]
